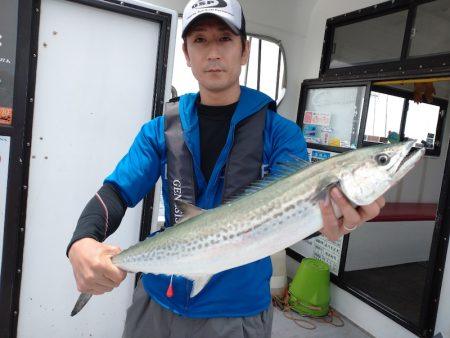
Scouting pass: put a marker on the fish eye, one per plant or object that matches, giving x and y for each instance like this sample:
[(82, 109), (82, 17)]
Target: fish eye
[(382, 159)]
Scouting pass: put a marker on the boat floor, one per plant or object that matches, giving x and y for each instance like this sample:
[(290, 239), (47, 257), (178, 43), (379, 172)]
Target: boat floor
[(284, 327)]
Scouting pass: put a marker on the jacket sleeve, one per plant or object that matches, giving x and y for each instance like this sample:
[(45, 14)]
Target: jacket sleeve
[(137, 172), (101, 216)]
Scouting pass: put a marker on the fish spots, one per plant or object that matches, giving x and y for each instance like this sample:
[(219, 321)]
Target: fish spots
[(278, 214), (289, 208), (245, 231)]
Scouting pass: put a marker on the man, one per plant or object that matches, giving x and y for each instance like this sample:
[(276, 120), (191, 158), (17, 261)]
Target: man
[(207, 147)]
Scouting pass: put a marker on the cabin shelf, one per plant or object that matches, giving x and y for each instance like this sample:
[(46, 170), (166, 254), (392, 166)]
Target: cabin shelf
[(393, 212)]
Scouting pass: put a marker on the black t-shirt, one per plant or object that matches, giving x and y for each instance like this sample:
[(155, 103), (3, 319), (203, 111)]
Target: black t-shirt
[(214, 123)]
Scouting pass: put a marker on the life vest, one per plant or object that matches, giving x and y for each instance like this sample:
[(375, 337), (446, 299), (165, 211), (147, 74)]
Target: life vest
[(244, 164)]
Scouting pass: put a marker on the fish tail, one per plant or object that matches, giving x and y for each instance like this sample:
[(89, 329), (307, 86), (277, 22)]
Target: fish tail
[(81, 302)]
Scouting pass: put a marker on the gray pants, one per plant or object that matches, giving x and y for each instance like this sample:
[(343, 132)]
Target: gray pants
[(147, 319)]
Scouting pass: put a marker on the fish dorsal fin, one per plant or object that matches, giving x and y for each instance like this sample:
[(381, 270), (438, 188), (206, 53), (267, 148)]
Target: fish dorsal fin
[(281, 170), (296, 164), (188, 210)]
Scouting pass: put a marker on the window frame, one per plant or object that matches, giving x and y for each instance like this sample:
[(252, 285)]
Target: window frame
[(405, 66), (281, 55), (314, 84), (407, 96)]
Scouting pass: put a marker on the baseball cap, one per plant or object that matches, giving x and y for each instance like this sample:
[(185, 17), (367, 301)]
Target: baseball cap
[(230, 11)]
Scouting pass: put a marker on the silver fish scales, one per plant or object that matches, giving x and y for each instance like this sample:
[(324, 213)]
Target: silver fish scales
[(267, 219)]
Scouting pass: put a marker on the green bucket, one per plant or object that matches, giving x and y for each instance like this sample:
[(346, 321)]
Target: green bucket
[(309, 292)]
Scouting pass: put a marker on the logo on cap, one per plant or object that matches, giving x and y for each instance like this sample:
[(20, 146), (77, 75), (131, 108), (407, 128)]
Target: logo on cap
[(209, 4)]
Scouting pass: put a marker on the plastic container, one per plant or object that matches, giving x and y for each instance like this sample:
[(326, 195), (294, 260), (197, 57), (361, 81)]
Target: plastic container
[(309, 292)]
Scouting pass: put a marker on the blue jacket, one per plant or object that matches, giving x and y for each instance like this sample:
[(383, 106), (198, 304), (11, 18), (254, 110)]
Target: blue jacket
[(242, 291)]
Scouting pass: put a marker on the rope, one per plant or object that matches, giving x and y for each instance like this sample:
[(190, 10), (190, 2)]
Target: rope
[(332, 318)]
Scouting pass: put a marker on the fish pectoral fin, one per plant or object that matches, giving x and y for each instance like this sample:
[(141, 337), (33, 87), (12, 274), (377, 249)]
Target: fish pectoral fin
[(199, 282), (188, 210), (326, 185)]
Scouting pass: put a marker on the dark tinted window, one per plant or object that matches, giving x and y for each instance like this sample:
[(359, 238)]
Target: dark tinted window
[(369, 41), (427, 38)]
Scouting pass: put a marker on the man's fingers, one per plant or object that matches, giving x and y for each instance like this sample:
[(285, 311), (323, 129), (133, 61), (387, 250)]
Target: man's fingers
[(381, 202), (111, 271), (372, 210), (328, 216), (94, 272), (334, 228), (350, 215), (330, 222), (369, 211), (98, 284), (111, 250), (95, 289), (115, 275)]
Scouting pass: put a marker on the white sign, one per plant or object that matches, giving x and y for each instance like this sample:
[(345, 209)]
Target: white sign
[(328, 252), (321, 248), (4, 160)]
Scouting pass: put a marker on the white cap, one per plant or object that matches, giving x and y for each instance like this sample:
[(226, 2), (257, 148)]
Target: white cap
[(230, 11)]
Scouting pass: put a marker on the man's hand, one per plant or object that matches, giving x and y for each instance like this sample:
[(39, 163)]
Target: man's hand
[(91, 262), (333, 227)]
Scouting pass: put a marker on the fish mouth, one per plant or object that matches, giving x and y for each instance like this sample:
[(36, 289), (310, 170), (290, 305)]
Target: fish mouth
[(413, 155)]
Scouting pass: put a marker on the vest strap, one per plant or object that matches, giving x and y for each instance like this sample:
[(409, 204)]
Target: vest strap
[(244, 164), (179, 170)]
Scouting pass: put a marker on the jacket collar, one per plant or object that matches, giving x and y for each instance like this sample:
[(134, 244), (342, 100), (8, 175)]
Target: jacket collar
[(250, 102)]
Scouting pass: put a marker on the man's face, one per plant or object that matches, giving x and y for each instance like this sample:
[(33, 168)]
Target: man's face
[(215, 55)]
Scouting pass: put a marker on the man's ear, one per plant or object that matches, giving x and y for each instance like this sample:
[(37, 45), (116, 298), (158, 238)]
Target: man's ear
[(245, 53), (186, 54)]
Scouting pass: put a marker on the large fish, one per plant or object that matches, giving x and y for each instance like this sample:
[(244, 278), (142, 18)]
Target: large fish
[(273, 214)]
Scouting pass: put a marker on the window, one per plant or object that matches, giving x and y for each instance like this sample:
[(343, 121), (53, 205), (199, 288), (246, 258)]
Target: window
[(393, 116), (431, 32), (383, 117), (266, 70), (375, 40), (394, 37), (332, 116), (421, 123)]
